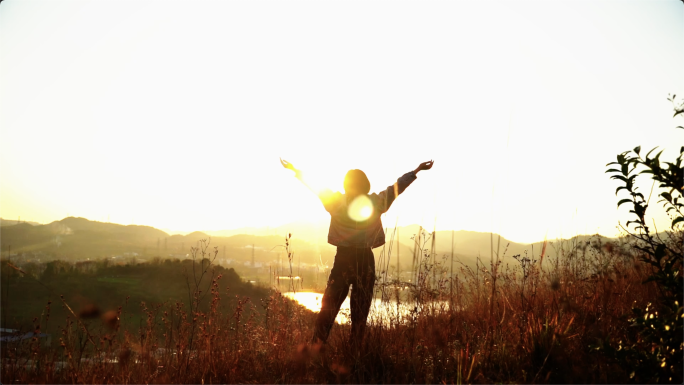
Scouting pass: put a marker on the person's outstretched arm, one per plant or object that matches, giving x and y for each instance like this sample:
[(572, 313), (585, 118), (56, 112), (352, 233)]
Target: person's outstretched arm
[(424, 166), (324, 194), (392, 192)]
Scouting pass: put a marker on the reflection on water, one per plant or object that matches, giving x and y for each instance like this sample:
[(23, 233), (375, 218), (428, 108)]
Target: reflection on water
[(312, 301), (385, 313)]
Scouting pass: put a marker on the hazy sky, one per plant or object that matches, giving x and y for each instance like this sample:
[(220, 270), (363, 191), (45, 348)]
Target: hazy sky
[(174, 113)]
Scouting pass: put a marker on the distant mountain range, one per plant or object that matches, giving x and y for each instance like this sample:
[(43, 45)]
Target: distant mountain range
[(12, 222), (466, 243), (80, 238), (311, 232)]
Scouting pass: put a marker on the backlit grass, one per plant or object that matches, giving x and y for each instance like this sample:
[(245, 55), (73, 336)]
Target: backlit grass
[(523, 319)]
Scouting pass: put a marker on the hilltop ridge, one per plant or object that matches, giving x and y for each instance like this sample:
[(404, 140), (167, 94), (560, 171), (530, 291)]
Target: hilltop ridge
[(80, 238)]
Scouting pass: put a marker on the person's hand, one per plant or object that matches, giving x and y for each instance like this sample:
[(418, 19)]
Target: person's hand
[(424, 166), (288, 165)]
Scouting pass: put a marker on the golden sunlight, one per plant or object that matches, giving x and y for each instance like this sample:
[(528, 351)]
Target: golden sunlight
[(314, 183), (312, 301), (381, 311), (360, 209)]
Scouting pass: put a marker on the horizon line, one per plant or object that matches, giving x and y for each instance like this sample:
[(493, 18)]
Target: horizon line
[(177, 232)]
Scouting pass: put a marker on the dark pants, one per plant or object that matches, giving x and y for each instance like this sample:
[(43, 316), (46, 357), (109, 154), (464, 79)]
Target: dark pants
[(356, 267)]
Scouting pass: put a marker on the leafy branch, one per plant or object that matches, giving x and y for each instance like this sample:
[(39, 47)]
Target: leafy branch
[(656, 354)]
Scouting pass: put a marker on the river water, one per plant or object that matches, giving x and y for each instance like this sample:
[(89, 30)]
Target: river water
[(382, 312)]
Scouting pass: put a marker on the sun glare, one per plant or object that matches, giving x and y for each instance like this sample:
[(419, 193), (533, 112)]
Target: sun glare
[(360, 209), (312, 301), (314, 183)]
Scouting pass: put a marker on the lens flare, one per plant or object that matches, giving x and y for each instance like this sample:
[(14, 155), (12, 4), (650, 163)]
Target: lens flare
[(360, 209)]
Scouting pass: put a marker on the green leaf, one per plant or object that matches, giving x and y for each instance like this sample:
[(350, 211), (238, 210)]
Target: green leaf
[(620, 177), (667, 196), (612, 170), (677, 220), (637, 149), (623, 201), (649, 153), (620, 188), (658, 156)]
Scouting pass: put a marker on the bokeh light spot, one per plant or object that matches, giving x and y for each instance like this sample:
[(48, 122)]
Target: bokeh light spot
[(361, 208)]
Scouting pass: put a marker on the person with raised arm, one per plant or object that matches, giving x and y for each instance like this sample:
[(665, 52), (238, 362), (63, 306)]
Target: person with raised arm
[(356, 229)]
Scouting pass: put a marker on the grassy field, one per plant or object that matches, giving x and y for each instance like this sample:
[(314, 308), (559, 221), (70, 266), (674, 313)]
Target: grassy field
[(103, 286), (514, 319)]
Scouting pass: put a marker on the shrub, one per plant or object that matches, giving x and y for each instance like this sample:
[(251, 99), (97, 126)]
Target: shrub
[(655, 352)]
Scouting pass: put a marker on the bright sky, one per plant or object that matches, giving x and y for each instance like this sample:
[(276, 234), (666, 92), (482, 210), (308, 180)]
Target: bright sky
[(174, 113)]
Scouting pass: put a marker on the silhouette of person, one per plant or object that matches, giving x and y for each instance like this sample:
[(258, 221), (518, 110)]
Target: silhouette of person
[(355, 228)]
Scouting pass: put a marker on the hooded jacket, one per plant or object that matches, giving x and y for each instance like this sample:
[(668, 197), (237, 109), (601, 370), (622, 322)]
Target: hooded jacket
[(350, 222)]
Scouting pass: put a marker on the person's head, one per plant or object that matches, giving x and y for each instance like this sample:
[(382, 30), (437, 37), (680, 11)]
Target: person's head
[(356, 183)]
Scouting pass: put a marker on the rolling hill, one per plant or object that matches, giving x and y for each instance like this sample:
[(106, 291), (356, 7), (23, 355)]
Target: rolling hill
[(79, 238)]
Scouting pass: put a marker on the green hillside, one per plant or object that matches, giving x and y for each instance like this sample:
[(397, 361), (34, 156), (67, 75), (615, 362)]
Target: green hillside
[(105, 287)]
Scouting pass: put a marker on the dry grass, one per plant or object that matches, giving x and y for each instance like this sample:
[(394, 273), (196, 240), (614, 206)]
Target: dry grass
[(528, 319)]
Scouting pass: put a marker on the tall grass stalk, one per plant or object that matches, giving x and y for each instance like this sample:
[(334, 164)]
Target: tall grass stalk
[(516, 321)]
